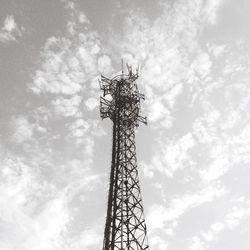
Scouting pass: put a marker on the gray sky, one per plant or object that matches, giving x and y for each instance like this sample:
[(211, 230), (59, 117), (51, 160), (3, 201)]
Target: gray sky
[(55, 151)]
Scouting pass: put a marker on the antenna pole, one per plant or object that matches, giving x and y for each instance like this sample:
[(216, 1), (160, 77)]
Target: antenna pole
[(125, 227)]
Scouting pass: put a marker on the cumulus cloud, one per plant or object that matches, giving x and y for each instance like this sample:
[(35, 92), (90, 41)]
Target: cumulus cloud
[(56, 76), (197, 139), (201, 65), (158, 111), (37, 209), (23, 129), (69, 62), (66, 107), (216, 169), (91, 103), (10, 30), (22, 213), (89, 239), (104, 64), (68, 69), (231, 221), (211, 10), (45, 187), (179, 73), (211, 85), (170, 57), (196, 244), (160, 215), (171, 156), (79, 127), (159, 243)]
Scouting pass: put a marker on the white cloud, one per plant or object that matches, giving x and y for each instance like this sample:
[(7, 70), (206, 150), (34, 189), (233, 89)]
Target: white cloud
[(10, 30), (218, 50), (66, 107), (169, 53), (211, 9), (176, 154), (91, 103), (171, 156), (217, 169), (224, 131), (232, 219), (173, 93), (89, 239), (79, 127), (23, 129), (158, 242), (32, 216), (205, 127), (9, 24), (159, 215), (202, 65), (69, 4), (67, 69), (104, 64), (56, 76), (217, 227), (68, 62), (231, 120), (75, 17), (37, 213), (196, 244), (82, 18), (157, 111), (236, 215), (174, 64)]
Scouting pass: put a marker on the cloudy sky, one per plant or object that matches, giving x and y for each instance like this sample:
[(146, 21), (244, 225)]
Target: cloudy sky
[(55, 151)]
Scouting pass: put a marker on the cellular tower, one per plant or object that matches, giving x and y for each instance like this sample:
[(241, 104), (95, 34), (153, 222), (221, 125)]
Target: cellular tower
[(125, 227)]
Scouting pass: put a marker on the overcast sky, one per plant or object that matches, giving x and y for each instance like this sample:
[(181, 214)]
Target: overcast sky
[(55, 151)]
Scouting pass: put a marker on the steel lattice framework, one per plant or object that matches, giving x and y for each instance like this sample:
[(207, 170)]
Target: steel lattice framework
[(125, 227)]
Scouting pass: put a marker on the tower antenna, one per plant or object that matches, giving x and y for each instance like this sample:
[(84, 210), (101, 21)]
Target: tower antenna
[(125, 227)]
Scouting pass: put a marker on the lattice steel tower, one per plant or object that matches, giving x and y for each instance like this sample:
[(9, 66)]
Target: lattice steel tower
[(125, 227)]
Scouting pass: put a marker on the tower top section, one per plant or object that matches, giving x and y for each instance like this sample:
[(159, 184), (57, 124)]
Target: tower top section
[(121, 99)]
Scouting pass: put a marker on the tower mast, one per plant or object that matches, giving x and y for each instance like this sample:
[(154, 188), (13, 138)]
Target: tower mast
[(125, 227)]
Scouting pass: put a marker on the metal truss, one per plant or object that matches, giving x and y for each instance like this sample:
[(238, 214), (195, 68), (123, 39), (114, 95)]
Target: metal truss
[(125, 227)]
